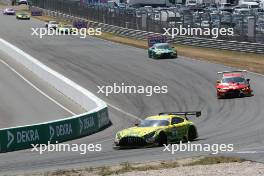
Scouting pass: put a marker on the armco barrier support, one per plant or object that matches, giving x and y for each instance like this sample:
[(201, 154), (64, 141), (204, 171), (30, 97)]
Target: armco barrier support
[(18, 138)]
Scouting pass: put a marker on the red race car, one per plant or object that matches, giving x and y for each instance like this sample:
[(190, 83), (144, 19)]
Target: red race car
[(233, 83)]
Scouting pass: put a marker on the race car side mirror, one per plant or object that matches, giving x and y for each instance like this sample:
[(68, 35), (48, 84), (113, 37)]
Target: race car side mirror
[(248, 80), (218, 82)]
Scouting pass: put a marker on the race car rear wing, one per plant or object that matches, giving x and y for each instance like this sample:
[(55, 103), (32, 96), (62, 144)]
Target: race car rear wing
[(234, 71), (187, 113)]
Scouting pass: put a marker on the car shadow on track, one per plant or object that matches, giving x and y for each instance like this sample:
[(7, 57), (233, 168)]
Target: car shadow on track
[(160, 59), (153, 146), (235, 97)]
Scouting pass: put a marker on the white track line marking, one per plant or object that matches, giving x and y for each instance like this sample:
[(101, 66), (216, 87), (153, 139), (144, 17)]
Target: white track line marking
[(124, 112), (250, 152), (35, 87)]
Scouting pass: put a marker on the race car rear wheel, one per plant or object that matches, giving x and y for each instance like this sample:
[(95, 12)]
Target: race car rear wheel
[(162, 139), (192, 133)]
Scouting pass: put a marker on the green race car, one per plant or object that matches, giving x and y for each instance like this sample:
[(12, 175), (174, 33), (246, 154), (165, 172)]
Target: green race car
[(22, 15), (162, 50), (159, 130)]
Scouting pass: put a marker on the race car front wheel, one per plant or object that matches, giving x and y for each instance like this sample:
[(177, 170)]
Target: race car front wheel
[(192, 134), (162, 139), (149, 55), (154, 56)]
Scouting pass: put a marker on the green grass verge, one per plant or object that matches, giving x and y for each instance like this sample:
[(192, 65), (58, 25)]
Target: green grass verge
[(127, 167), (215, 160)]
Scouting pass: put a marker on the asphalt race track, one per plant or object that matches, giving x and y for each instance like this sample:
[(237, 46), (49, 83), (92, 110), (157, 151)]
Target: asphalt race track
[(91, 62), (21, 104)]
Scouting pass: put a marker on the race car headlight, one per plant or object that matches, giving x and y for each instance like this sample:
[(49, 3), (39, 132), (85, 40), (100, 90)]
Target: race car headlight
[(117, 137), (245, 88), (222, 89)]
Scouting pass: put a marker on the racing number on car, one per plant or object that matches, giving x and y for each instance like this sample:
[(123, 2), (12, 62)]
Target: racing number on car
[(178, 129), (181, 131), (174, 132)]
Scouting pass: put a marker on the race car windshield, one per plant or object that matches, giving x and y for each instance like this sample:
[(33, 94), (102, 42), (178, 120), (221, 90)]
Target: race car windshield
[(233, 79), (163, 47), (154, 123)]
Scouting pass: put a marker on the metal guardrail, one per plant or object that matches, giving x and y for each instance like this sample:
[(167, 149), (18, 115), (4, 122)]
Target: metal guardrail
[(247, 47)]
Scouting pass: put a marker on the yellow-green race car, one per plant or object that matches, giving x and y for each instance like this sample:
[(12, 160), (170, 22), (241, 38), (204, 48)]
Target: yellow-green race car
[(167, 127), (22, 15)]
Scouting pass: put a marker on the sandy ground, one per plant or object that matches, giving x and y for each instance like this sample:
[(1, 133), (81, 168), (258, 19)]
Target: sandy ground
[(224, 169)]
